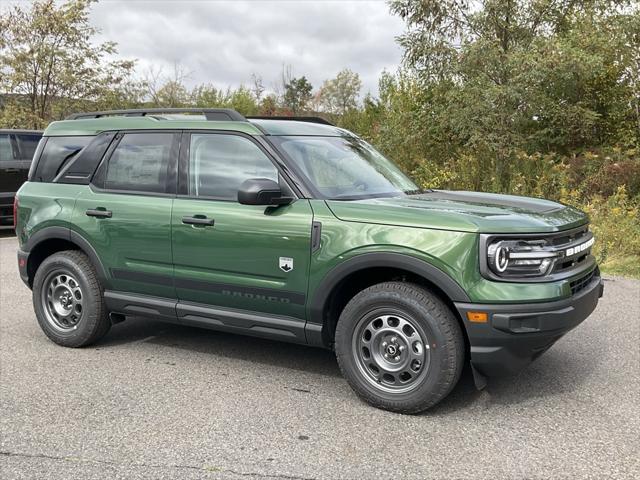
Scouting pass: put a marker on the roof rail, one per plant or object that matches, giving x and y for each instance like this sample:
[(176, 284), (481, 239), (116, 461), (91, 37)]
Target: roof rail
[(220, 114), (297, 119)]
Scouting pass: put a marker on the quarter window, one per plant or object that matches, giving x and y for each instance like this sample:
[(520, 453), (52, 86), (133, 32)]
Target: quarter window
[(57, 153), (218, 164), (140, 163)]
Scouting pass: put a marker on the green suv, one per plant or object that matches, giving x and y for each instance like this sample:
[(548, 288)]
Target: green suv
[(296, 230)]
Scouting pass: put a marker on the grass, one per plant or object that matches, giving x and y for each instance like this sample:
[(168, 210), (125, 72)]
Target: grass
[(625, 266)]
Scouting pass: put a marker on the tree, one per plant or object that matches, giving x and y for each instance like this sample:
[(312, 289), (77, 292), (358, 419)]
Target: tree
[(297, 94), (341, 94), (258, 87), (241, 99), (501, 77), (50, 64), (168, 91), (269, 106)]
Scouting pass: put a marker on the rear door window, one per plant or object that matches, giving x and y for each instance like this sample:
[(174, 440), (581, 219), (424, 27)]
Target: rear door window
[(57, 152), (140, 163), (6, 152), (27, 144)]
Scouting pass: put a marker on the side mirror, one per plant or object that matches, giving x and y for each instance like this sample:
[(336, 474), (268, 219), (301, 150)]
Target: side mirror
[(261, 191)]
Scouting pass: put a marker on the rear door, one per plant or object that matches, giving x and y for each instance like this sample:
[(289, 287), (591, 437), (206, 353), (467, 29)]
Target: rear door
[(126, 212), (250, 258)]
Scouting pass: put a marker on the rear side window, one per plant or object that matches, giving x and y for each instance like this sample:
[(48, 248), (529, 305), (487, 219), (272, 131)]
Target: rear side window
[(27, 144), (140, 163), (57, 152), (6, 153)]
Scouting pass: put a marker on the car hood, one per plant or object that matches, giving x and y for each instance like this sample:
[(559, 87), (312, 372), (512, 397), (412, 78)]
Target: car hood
[(463, 211)]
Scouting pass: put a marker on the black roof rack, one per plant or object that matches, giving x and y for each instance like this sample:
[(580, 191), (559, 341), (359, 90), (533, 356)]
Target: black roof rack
[(220, 114), (297, 119)]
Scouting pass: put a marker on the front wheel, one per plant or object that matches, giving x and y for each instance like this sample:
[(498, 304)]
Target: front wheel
[(68, 301), (399, 347)]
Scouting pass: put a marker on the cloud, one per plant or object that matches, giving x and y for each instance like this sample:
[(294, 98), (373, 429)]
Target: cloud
[(224, 42)]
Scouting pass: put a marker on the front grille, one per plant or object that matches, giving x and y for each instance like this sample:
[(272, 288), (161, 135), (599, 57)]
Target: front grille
[(566, 239), (581, 283)]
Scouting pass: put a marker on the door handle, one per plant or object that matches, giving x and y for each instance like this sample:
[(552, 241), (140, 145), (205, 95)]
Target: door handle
[(98, 212), (12, 170), (198, 220)]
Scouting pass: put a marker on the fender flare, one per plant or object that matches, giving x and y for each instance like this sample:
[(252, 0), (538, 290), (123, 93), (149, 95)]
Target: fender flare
[(433, 274), (65, 233)]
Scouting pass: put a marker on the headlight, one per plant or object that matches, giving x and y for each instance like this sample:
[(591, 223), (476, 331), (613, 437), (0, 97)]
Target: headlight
[(520, 258), (511, 258)]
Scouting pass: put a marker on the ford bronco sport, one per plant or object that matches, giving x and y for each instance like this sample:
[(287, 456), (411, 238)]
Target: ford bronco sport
[(293, 229)]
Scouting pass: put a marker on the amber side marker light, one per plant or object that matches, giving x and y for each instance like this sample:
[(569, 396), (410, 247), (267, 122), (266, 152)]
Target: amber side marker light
[(477, 317)]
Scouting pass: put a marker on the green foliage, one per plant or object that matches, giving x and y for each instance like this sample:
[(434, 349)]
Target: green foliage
[(241, 99), (500, 77), (340, 94), (616, 226), (297, 94), (50, 65)]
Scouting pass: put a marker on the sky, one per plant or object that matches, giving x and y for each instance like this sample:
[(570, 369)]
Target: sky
[(224, 42)]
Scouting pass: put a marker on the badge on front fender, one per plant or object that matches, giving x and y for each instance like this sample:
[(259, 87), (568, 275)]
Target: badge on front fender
[(286, 264)]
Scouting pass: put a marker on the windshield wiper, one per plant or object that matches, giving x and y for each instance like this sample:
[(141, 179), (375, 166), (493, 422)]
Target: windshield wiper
[(418, 191)]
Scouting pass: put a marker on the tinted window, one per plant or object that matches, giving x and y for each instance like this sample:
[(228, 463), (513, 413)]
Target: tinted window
[(6, 154), (218, 164), (57, 152), (27, 144), (140, 163)]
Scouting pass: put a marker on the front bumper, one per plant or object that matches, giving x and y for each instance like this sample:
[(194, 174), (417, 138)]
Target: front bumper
[(516, 334)]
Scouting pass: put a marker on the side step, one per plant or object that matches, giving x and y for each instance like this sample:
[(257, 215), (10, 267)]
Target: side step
[(256, 324)]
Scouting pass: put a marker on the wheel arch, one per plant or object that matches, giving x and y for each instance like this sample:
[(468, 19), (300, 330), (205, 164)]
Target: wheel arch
[(364, 270), (54, 239)]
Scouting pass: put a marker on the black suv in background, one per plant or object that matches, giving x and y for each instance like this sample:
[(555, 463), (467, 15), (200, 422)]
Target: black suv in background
[(16, 151)]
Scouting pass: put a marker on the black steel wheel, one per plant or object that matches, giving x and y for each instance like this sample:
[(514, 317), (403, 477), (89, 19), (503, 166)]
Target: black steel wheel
[(399, 346), (68, 301)]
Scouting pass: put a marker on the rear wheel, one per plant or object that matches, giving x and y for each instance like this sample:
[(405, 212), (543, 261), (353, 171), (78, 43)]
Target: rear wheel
[(67, 299), (399, 347)]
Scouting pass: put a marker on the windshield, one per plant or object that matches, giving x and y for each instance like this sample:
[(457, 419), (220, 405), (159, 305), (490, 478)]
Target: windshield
[(345, 168)]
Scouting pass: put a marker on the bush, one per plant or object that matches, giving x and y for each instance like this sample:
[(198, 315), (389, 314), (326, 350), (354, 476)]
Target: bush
[(615, 222), (605, 184)]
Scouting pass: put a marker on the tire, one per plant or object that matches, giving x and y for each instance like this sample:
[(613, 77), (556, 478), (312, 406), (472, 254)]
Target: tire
[(380, 320), (68, 300)]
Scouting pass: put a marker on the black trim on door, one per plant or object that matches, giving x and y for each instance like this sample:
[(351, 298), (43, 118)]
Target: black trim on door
[(142, 277), (256, 293)]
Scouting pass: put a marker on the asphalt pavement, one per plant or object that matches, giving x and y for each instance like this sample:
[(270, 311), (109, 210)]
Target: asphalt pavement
[(155, 400)]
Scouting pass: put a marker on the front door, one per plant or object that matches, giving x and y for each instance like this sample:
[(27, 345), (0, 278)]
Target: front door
[(241, 257)]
